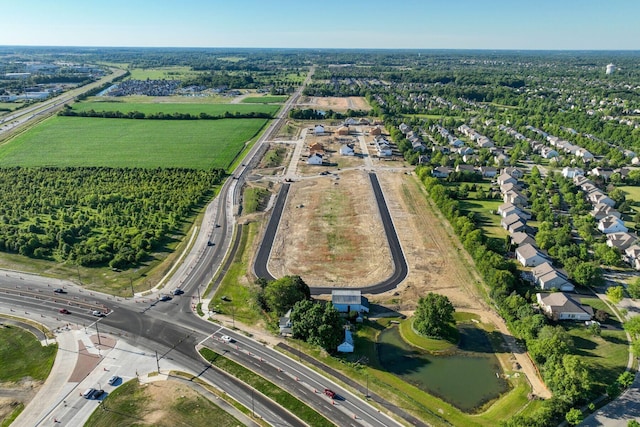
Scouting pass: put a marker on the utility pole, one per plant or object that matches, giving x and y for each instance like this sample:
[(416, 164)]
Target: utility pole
[(199, 299), (367, 395), (157, 361), (133, 293)]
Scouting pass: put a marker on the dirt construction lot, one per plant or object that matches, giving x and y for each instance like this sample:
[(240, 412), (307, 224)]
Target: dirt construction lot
[(331, 234), (334, 103)]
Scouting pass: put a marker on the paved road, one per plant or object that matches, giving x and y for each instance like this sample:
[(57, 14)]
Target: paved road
[(400, 267)]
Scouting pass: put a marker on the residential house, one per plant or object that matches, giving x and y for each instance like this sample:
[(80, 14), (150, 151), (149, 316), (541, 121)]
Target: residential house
[(548, 153), (318, 130), (568, 172), (346, 301), (562, 306), (598, 197), (515, 198), (376, 131), (529, 256), (514, 172), (347, 344), (343, 130), (510, 219), (517, 226), (316, 147), (603, 173), (611, 224), (620, 241), (632, 256), (457, 143), (547, 277), (601, 210), (404, 128), (382, 146), (441, 172), (346, 150), (580, 180), (505, 178), (466, 168), (520, 238), (315, 159), (488, 171), (513, 209)]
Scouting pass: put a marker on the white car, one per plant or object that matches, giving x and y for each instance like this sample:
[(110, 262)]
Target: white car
[(97, 313), (226, 338), (114, 379)]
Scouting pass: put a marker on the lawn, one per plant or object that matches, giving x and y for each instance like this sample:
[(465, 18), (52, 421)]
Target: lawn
[(264, 386), (170, 108), (265, 99), (607, 354), (131, 404), (240, 299), (22, 355), (80, 141), (632, 192), (488, 221)]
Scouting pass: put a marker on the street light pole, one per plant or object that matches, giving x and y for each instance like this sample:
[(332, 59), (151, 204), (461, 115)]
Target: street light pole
[(133, 293), (98, 332), (157, 361)]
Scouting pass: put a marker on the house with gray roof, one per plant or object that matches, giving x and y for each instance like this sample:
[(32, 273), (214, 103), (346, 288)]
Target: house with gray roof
[(347, 300), (529, 256), (562, 306)]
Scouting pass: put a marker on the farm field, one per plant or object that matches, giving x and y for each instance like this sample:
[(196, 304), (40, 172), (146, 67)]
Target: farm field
[(80, 141), (167, 73), (170, 108), (264, 99)]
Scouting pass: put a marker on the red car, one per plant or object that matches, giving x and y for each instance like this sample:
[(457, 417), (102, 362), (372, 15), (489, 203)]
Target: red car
[(64, 311), (329, 393)]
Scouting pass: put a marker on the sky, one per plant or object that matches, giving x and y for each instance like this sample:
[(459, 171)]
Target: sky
[(388, 24)]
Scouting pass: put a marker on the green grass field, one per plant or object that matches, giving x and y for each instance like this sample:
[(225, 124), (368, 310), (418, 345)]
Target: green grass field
[(265, 99), (170, 108), (167, 73), (22, 355), (80, 141), (489, 222), (632, 192)]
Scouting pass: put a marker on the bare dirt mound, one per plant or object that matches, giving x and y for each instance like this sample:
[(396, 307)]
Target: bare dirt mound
[(331, 233), (335, 103)]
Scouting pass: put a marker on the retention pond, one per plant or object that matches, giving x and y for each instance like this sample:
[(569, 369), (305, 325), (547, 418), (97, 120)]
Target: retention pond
[(467, 378)]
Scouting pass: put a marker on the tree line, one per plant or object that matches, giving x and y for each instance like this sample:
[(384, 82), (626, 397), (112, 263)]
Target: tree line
[(138, 115)]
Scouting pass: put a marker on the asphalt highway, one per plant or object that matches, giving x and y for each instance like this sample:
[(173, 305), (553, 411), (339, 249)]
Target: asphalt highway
[(169, 328), (400, 268)]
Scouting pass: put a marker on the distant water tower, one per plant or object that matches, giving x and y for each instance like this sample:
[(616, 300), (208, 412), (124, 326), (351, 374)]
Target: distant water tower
[(610, 69)]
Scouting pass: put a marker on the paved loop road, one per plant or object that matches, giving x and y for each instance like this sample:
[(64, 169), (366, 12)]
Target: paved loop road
[(400, 268)]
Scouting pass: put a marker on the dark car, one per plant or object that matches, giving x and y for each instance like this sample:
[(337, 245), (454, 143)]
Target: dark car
[(178, 291), (210, 243), (97, 393), (59, 291), (64, 311), (165, 298)]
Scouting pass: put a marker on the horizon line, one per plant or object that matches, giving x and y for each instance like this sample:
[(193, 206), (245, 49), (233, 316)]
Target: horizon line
[(321, 48)]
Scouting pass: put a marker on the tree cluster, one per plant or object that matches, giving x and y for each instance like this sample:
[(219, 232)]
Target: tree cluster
[(318, 324), (162, 116), (97, 216)]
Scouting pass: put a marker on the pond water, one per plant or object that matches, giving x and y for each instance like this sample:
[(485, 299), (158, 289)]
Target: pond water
[(466, 379)]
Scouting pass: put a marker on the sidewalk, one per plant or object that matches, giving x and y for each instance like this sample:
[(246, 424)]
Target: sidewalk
[(56, 384)]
